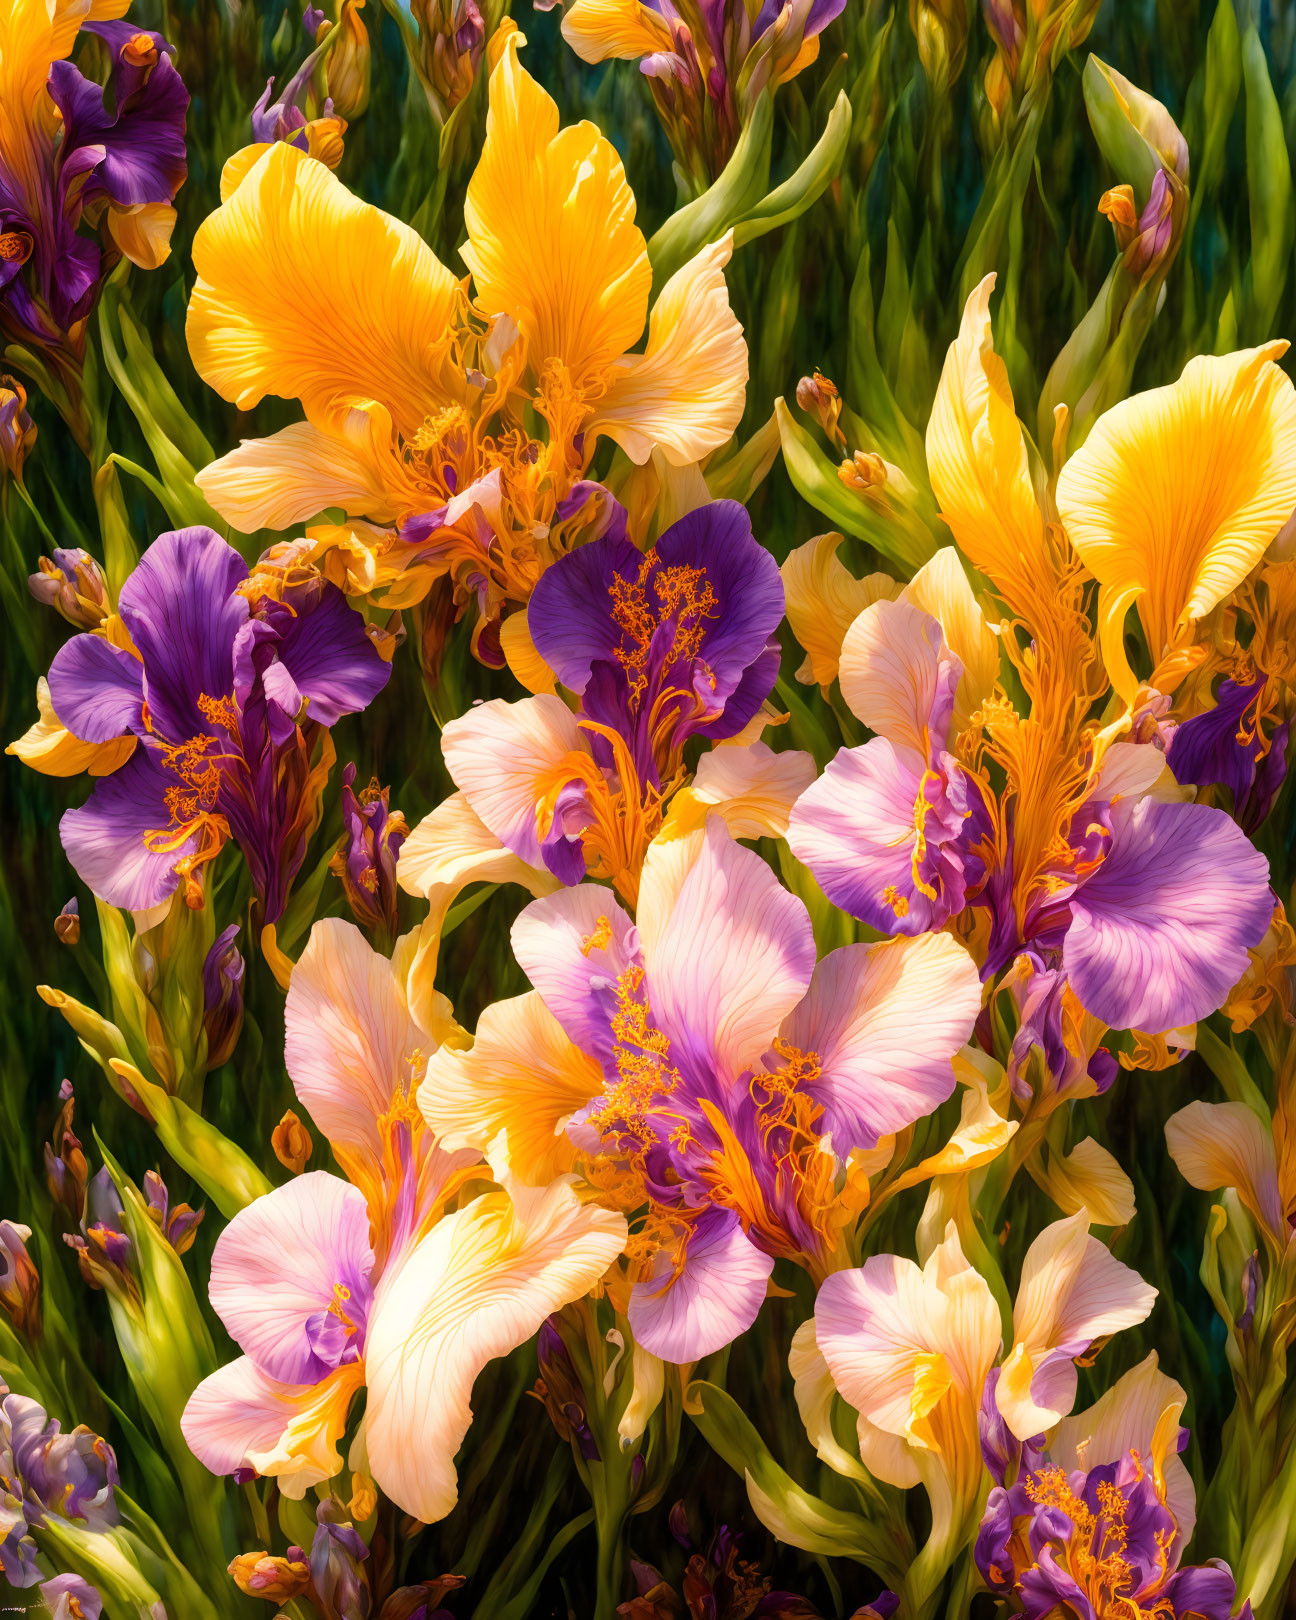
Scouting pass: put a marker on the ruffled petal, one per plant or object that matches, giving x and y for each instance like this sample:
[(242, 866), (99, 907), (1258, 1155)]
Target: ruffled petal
[(307, 293), (599, 30), (1224, 1145), (885, 1022), (894, 677), (575, 946), (477, 1286), (551, 234), (1160, 932), (107, 839), (49, 747), (823, 600), (685, 394), (1178, 491)]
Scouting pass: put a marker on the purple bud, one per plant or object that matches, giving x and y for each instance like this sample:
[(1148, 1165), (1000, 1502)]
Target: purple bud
[(19, 1281), (337, 1562), (177, 1225), (67, 925), (223, 972), (72, 583), (366, 857)]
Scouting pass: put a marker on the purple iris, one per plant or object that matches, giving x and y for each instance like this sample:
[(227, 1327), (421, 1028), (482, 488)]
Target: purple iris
[(226, 689), (664, 645), (130, 156), (1224, 747), (1099, 1543)]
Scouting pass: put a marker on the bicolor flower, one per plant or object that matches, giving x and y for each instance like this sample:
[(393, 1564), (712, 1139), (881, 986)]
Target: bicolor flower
[(330, 1286), (1146, 907), (705, 64), (1095, 1522), (414, 398), (704, 1074), (1218, 1145), (65, 159), (221, 694)]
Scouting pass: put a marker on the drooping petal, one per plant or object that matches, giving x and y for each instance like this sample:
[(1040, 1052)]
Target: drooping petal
[(1072, 1292), (108, 838), (49, 747), (551, 234), (97, 689), (814, 1392), (1178, 491), (598, 30), (478, 1285), (292, 476), (182, 608), (976, 456), (823, 600), (885, 1022), (685, 394), (504, 756), (348, 1035), (334, 665), (510, 1093), (575, 946), (714, 1297), (280, 1265), (307, 293), (731, 961), (1160, 932), (1087, 1178), (1224, 1145), (238, 1418)]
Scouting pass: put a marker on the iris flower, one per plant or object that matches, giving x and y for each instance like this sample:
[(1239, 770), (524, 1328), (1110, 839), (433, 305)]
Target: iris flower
[(331, 1286), (421, 407), (1093, 1520), (64, 159), (216, 687), (705, 1075)]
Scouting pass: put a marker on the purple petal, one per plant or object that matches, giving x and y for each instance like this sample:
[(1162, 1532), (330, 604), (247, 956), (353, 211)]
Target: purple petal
[(183, 612), (570, 611), (1160, 932), (105, 838), (97, 689), (714, 1298), (575, 962), (334, 664)]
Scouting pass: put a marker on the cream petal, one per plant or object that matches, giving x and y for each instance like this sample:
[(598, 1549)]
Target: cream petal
[(823, 600), (1224, 1145), (477, 1286)]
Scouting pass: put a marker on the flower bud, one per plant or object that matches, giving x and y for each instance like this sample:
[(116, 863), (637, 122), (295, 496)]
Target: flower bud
[(292, 1143), (559, 1392), (337, 1559), (348, 63), (278, 1580), (104, 1252), (223, 971), (66, 1171), (72, 583), (67, 925), (20, 1285), (818, 397), (177, 1225), (17, 430), (366, 858), (421, 1602), (452, 37), (941, 29)]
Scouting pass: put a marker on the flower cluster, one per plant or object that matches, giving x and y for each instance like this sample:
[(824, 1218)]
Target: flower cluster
[(633, 1058)]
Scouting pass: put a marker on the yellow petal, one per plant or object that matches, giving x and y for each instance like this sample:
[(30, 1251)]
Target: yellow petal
[(477, 1286), (1088, 1178), (1178, 491), (601, 29), (823, 600), (521, 655), (295, 474), (751, 789), (306, 292), (143, 233), (976, 457), (50, 748), (685, 393), (1225, 1145), (551, 234), (940, 587), (511, 1093)]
